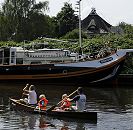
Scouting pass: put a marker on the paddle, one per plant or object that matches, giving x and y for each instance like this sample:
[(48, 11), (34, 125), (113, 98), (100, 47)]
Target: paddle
[(27, 85), (51, 108)]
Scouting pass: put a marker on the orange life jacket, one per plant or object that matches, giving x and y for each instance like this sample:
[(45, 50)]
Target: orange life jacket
[(43, 103), (66, 105)]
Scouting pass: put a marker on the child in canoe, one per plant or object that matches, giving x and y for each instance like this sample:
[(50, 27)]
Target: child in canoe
[(65, 104), (42, 102)]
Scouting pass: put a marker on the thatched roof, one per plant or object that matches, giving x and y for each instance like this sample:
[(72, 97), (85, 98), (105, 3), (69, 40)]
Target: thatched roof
[(93, 23)]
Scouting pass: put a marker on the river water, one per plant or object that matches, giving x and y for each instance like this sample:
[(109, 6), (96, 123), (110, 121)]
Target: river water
[(113, 104)]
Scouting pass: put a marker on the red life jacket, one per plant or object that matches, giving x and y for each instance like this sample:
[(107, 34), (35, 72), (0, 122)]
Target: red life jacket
[(66, 105), (42, 103)]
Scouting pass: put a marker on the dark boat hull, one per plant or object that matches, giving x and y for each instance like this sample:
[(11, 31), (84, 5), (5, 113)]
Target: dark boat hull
[(17, 105), (79, 72)]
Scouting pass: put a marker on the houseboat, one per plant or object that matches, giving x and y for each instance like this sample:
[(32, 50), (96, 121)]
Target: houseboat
[(58, 65)]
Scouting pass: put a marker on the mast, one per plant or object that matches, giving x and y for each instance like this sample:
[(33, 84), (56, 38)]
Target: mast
[(79, 15), (80, 42)]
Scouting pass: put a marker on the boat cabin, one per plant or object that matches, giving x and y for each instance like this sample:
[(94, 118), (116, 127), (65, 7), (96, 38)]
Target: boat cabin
[(18, 55), (8, 56)]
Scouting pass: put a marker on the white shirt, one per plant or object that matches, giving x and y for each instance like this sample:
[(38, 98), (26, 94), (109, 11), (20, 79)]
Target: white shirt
[(80, 104), (32, 97)]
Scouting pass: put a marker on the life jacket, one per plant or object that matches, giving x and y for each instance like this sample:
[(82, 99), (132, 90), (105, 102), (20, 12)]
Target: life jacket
[(43, 103), (66, 105)]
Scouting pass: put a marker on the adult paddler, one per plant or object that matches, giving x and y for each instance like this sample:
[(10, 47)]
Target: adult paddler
[(31, 93), (80, 100)]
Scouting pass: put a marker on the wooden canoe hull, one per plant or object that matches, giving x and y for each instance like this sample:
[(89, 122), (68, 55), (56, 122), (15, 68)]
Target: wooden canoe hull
[(17, 105)]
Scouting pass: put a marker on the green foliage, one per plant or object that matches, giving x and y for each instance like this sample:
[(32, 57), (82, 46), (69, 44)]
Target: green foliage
[(74, 34), (23, 20), (8, 44), (128, 65), (66, 20), (128, 29)]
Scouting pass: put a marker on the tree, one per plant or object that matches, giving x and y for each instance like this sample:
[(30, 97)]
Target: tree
[(74, 34), (21, 16), (66, 20), (128, 29), (3, 28)]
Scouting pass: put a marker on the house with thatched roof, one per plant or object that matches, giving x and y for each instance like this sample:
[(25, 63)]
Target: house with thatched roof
[(94, 24)]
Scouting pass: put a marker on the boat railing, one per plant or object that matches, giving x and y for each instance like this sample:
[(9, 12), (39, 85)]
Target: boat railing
[(51, 59)]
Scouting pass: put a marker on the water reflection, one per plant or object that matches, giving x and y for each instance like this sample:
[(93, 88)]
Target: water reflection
[(43, 123), (65, 126), (112, 104), (80, 126), (32, 121), (110, 99)]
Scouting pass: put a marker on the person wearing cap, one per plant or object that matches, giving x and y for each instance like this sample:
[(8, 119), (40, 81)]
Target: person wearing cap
[(80, 100), (42, 102), (31, 93)]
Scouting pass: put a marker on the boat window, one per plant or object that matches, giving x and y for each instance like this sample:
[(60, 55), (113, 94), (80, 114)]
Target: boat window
[(65, 71), (12, 60), (6, 56), (1, 56), (36, 62), (19, 61), (12, 56)]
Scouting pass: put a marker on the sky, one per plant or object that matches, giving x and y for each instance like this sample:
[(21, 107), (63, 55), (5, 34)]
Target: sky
[(113, 11)]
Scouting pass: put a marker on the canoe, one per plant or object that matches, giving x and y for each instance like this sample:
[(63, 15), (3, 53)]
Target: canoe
[(17, 105)]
